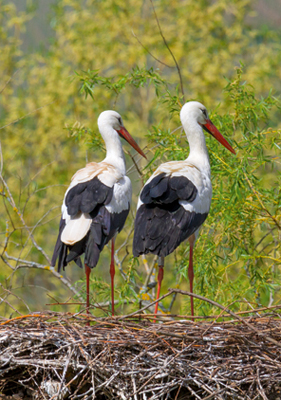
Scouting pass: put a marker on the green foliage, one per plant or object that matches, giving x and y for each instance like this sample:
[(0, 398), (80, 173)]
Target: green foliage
[(95, 62), (138, 77)]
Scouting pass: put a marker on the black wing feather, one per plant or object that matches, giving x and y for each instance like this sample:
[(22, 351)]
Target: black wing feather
[(161, 223), (89, 197), (86, 196), (159, 189)]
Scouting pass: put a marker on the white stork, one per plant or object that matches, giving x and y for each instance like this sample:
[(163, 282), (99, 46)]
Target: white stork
[(97, 203), (176, 199)]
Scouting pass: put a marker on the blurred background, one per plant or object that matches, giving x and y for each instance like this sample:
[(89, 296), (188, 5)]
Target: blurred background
[(62, 62)]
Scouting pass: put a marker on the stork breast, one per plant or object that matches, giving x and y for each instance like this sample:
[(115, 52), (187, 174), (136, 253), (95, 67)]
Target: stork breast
[(122, 196)]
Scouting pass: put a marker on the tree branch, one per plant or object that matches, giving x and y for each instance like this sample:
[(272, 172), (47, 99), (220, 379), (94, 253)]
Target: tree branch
[(170, 51), (26, 115), (146, 49), (31, 264)]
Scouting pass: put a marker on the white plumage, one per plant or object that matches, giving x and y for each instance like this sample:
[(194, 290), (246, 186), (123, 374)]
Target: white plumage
[(122, 191), (76, 228)]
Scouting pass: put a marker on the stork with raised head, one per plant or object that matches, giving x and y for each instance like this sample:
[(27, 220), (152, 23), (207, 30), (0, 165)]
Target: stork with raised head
[(97, 203), (176, 199)]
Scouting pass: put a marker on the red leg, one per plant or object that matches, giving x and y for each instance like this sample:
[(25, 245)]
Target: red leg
[(191, 276), (159, 279), (112, 273), (88, 272)]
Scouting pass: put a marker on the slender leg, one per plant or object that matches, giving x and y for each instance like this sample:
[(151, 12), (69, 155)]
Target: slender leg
[(112, 273), (88, 272), (191, 274), (159, 279)]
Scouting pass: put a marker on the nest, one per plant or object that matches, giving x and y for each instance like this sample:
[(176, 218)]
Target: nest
[(57, 356)]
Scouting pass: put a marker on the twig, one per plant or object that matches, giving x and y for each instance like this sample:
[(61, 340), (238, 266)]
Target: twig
[(8, 81), (214, 303), (71, 351), (146, 49), (261, 203), (15, 208), (10, 305), (149, 273), (144, 308), (17, 297), (31, 264), (1, 159), (212, 395), (261, 391), (133, 160), (168, 47), (26, 115)]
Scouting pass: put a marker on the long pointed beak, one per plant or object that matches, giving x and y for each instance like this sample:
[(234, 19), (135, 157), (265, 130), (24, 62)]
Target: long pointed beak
[(210, 127), (125, 135)]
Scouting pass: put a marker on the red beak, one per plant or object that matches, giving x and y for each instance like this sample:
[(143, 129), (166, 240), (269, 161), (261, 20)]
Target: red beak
[(210, 127), (125, 135)]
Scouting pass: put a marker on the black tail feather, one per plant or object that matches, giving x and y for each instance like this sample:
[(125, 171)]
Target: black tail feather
[(62, 257), (59, 244), (92, 253)]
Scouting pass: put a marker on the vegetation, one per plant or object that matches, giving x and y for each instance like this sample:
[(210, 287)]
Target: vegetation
[(145, 60)]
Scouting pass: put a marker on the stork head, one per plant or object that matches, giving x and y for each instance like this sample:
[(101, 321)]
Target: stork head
[(112, 119), (194, 112)]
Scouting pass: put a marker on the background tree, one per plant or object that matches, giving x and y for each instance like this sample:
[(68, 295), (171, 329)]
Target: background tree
[(144, 60)]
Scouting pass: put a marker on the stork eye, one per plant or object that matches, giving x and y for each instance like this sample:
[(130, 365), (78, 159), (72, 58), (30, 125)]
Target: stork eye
[(204, 111), (120, 121)]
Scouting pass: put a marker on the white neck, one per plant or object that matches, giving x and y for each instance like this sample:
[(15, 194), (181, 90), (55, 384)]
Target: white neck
[(198, 155), (114, 152)]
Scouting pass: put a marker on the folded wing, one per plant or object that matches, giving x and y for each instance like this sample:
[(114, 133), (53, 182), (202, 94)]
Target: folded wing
[(162, 222), (86, 224)]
